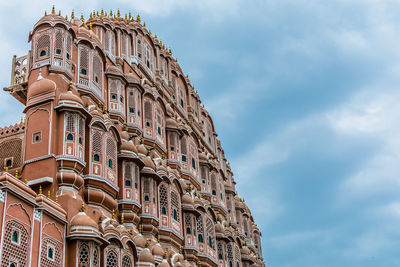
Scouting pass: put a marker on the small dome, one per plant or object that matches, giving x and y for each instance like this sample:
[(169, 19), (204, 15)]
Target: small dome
[(164, 263), (157, 250), (203, 156), (125, 135), (139, 241), (131, 78), (142, 149), (219, 228), (245, 250), (81, 219), (149, 163), (146, 256), (187, 199), (171, 123), (114, 70), (69, 96), (41, 86), (126, 145)]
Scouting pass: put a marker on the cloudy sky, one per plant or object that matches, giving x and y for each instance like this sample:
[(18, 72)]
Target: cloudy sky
[(305, 97)]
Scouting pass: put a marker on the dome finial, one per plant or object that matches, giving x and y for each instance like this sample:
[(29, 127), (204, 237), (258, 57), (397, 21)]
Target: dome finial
[(118, 13), (70, 87), (53, 10), (83, 207), (48, 194), (102, 12), (82, 19), (113, 214), (138, 18), (40, 189), (122, 218), (72, 14)]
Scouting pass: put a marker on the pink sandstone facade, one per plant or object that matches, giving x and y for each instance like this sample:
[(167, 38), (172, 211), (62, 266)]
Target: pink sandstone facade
[(116, 162)]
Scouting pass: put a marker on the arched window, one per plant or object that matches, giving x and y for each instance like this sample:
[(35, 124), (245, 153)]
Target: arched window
[(43, 46), (50, 253), (183, 148), (96, 157), (111, 152), (126, 261), (97, 70), (200, 228), (84, 256), (112, 259), (213, 185), (15, 236), (210, 233), (96, 260), (70, 137), (163, 196), (84, 60), (220, 250), (188, 231), (127, 183), (148, 114), (175, 206), (59, 43)]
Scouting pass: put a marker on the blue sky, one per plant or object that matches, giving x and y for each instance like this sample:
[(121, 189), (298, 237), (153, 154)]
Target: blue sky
[(304, 95)]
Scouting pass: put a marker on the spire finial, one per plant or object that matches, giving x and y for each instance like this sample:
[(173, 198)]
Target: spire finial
[(83, 207), (130, 15), (26, 181), (147, 243), (138, 18), (144, 23), (53, 10), (102, 12), (16, 173), (6, 169), (59, 12), (82, 19), (70, 87), (118, 13), (40, 189), (56, 199), (140, 228), (111, 13), (48, 194), (113, 214), (180, 249), (90, 26), (72, 14), (122, 218)]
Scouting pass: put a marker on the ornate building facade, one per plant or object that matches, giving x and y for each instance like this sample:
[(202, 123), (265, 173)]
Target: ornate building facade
[(116, 162)]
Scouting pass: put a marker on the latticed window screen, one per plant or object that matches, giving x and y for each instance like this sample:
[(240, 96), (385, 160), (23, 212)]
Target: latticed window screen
[(163, 195), (146, 186), (220, 249), (246, 229), (210, 233), (84, 59), (84, 256), (97, 70), (183, 145), (172, 140), (96, 260), (112, 40), (131, 101), (11, 148), (107, 41), (111, 150), (70, 125), (126, 261), (96, 142), (123, 44), (148, 112), (229, 252), (44, 259), (199, 225), (59, 42), (213, 182), (237, 253), (81, 127), (69, 47), (188, 221), (137, 175), (43, 44), (175, 205), (16, 252), (203, 173), (128, 171), (112, 259)]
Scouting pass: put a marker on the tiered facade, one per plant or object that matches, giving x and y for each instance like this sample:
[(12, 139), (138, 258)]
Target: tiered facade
[(116, 162)]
